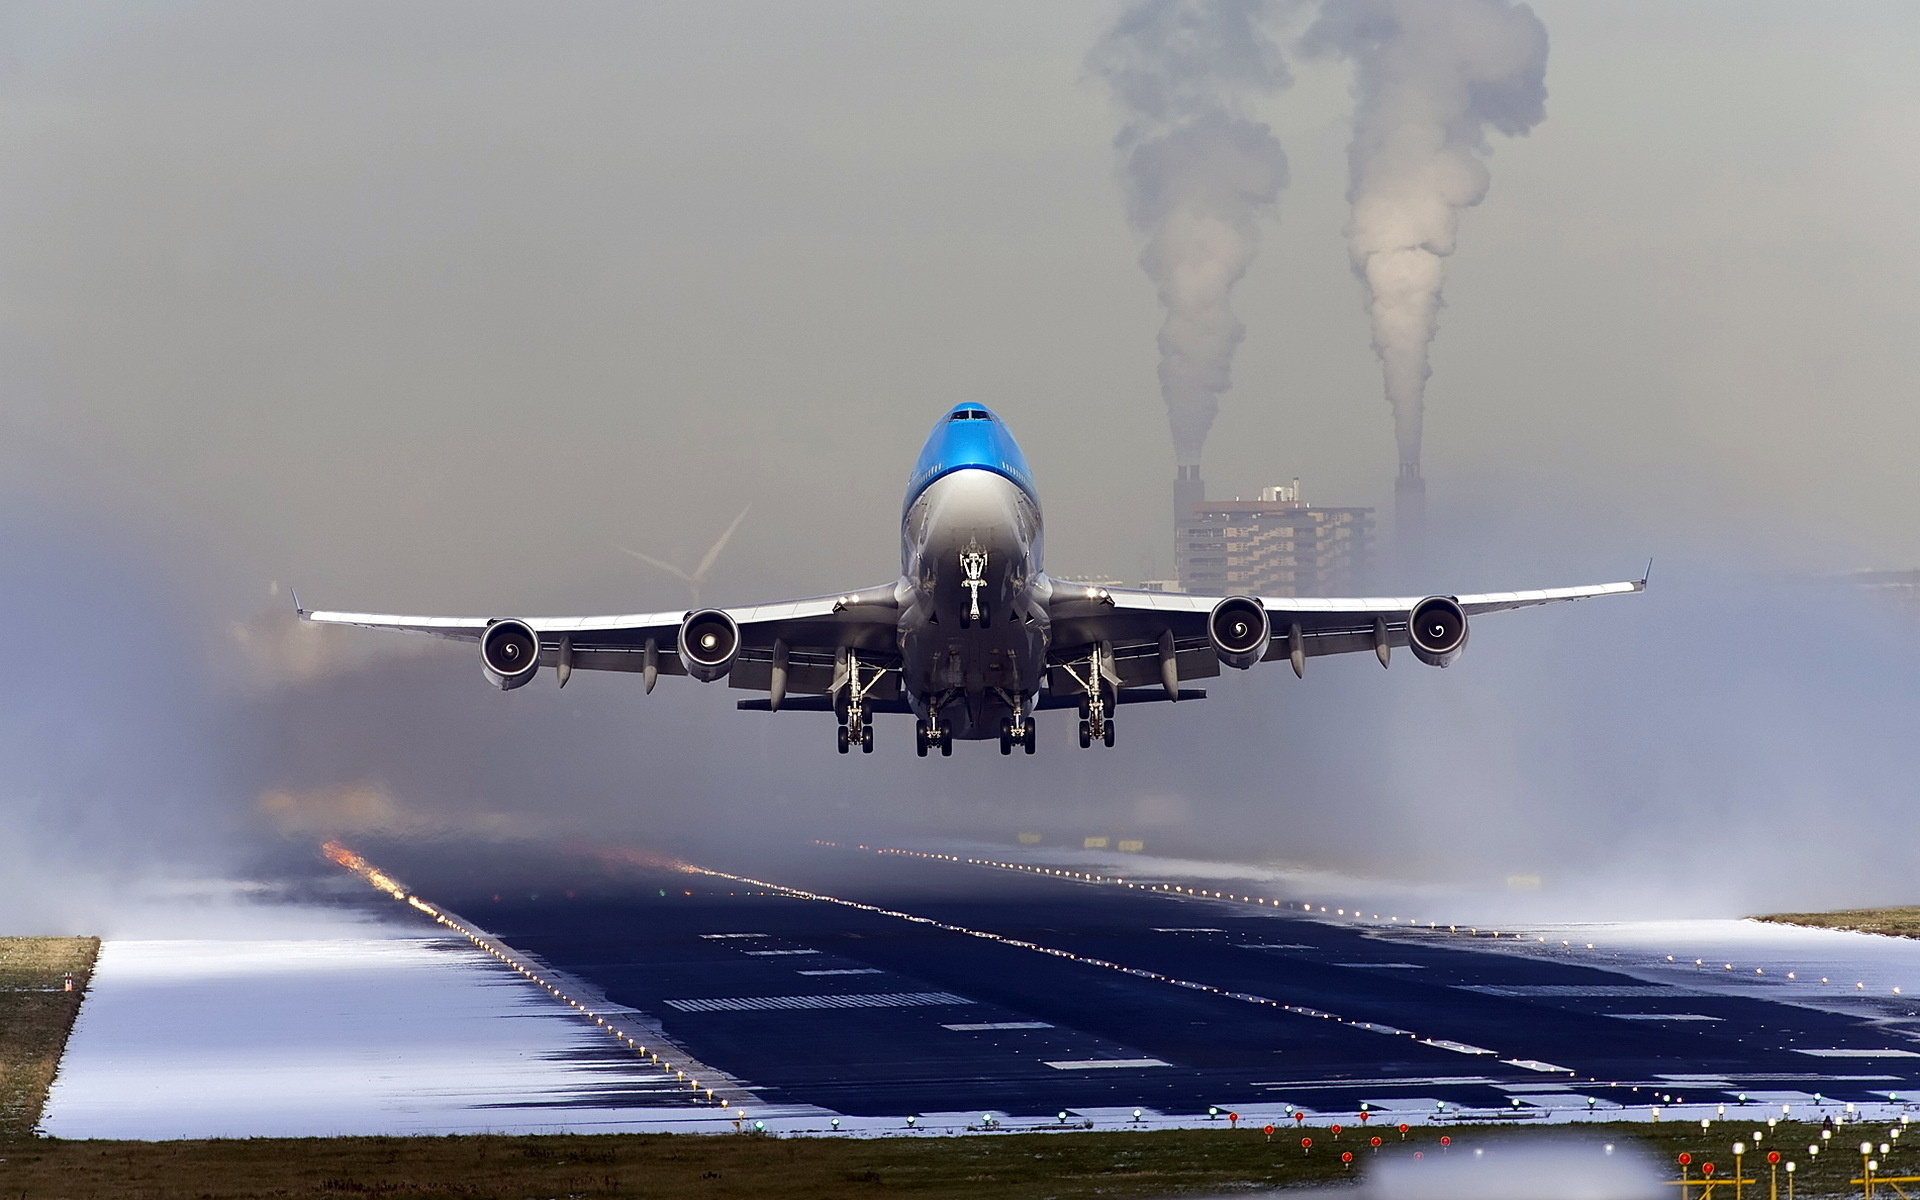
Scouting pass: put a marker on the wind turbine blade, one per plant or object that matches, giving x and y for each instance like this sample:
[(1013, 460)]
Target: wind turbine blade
[(706, 564), (649, 559)]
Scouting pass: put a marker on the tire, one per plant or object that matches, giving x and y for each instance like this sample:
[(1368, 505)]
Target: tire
[(1086, 735), (843, 739), (1109, 731), (920, 743), (866, 740), (946, 745)]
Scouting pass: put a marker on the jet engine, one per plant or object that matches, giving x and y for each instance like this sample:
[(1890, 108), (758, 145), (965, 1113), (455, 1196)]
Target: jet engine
[(709, 639), (509, 654), (1437, 630), (1239, 630)]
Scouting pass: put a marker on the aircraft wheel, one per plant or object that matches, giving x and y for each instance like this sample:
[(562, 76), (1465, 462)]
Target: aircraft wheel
[(866, 740), (843, 739), (1086, 735), (920, 742), (946, 744), (1109, 731), (1032, 737)]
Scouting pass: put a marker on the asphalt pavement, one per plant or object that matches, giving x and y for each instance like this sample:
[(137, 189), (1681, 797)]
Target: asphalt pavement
[(883, 984)]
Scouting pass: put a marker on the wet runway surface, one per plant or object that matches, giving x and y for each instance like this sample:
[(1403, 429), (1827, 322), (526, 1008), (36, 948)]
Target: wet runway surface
[(973, 989)]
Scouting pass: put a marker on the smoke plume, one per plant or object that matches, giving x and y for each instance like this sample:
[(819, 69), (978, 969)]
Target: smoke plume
[(1198, 176), (1431, 77)]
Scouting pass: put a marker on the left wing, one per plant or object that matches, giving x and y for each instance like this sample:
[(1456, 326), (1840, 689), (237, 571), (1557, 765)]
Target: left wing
[(1165, 637), (797, 640)]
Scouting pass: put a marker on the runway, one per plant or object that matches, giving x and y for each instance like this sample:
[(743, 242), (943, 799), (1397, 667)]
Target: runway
[(880, 985)]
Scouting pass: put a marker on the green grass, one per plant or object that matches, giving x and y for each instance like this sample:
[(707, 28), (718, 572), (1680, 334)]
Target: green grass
[(1896, 922), (35, 1018), (722, 1167)]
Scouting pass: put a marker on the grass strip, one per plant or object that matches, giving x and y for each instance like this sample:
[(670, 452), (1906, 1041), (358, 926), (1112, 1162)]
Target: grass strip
[(1896, 922), (1027, 1166), (36, 1015)]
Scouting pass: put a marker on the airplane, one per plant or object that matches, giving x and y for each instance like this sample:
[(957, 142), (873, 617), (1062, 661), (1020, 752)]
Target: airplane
[(974, 637)]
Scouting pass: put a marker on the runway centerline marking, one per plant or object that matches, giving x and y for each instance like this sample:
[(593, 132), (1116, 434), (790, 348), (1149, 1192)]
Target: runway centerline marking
[(1082, 959), (808, 1003)]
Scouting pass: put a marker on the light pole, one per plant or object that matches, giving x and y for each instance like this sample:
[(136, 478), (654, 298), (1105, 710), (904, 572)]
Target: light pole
[(1866, 1167), (1791, 1167), (1773, 1176), (1739, 1151)]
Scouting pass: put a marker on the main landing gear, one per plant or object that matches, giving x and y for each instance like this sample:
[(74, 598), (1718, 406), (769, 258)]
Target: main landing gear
[(1094, 673), (1017, 730), (850, 691), (927, 735)]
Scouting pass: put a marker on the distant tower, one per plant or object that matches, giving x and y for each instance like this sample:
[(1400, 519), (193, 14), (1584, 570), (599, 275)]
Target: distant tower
[(1188, 490)]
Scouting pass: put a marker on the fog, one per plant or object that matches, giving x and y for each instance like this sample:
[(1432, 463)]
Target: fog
[(436, 308)]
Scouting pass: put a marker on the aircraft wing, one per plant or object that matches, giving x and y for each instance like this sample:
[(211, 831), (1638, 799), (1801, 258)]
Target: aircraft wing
[(812, 632), (1142, 627)]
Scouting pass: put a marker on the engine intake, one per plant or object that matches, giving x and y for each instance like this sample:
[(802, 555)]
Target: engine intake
[(1239, 630), (1437, 630), (709, 640), (509, 654)]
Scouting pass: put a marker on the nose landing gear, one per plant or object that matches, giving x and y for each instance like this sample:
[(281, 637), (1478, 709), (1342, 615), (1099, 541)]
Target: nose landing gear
[(973, 577)]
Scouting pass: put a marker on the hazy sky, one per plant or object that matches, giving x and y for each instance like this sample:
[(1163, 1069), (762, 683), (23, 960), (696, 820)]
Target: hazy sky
[(428, 306)]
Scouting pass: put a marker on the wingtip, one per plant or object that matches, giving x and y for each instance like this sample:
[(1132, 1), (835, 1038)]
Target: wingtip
[(298, 612), (1646, 575)]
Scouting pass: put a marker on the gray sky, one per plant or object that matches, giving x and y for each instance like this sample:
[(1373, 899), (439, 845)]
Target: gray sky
[(428, 306)]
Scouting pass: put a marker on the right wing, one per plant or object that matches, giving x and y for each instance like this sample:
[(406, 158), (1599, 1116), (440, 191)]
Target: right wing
[(1141, 628), (812, 631)]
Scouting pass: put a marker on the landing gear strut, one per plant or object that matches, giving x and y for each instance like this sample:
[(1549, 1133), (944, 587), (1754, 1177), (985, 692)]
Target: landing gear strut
[(1094, 674), (930, 733), (1017, 730), (973, 577), (850, 690)]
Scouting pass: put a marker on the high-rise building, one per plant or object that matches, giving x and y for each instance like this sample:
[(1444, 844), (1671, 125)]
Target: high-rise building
[(1277, 545)]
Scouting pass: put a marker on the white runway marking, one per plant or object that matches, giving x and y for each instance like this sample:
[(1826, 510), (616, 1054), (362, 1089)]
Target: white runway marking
[(845, 971), (981, 1026), (1860, 1053), (1662, 1017), (777, 953), (1096, 1064), (798, 1003), (1629, 991)]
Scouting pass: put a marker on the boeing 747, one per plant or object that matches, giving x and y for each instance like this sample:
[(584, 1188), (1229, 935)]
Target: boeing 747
[(974, 637)]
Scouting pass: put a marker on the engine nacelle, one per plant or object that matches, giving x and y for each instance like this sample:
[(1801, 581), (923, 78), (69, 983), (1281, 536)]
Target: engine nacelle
[(1239, 630), (509, 654), (1437, 630), (709, 640)]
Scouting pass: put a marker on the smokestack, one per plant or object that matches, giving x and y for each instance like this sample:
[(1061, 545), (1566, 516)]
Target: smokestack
[(1409, 516), (1198, 177), (1430, 78), (1188, 490)]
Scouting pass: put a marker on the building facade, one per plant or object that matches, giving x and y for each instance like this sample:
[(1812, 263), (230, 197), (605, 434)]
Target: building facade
[(1277, 545)]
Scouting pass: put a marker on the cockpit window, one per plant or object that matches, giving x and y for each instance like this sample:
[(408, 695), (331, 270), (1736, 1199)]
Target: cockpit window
[(970, 414)]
